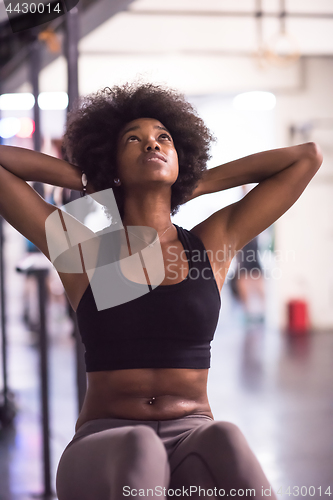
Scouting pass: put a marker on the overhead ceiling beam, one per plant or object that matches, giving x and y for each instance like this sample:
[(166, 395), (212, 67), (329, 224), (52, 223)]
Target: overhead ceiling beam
[(91, 17), (184, 52), (100, 12), (219, 13)]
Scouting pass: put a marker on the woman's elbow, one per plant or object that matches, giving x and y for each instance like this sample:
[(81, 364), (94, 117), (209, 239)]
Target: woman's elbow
[(313, 153)]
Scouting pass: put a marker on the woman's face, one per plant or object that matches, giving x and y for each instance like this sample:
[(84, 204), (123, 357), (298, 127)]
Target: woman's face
[(146, 153)]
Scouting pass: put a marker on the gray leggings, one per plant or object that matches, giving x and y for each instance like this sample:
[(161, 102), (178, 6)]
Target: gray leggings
[(190, 457)]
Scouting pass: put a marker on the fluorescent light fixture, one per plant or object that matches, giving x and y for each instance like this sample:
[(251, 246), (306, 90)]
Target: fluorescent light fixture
[(9, 127), (255, 101), (19, 101), (53, 100), (23, 101)]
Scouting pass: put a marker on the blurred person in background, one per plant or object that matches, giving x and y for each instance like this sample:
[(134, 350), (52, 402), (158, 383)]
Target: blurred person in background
[(146, 422)]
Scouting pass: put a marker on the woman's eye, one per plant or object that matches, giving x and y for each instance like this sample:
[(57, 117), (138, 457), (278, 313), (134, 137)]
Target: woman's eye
[(132, 137), (165, 136)]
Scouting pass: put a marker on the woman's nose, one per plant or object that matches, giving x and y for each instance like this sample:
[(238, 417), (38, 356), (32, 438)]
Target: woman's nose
[(152, 144)]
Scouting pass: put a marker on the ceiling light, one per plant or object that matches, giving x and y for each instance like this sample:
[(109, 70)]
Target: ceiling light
[(27, 128), (9, 127), (257, 100), (53, 100), (18, 101)]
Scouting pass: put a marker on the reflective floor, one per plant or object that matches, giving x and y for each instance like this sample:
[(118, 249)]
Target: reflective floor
[(277, 389)]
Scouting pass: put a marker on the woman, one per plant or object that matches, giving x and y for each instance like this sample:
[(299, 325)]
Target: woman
[(146, 427)]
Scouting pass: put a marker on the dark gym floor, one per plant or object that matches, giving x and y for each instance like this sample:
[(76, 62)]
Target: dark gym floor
[(278, 389)]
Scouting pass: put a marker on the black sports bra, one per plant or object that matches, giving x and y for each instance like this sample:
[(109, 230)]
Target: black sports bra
[(170, 326)]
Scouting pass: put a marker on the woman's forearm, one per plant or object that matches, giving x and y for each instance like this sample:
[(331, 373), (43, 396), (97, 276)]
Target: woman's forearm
[(33, 166), (254, 168)]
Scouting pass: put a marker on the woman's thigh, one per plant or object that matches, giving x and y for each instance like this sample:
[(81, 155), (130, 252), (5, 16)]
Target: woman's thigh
[(102, 464), (217, 455)]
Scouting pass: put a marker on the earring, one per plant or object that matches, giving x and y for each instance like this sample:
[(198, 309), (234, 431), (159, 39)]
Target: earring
[(84, 181), (117, 181)]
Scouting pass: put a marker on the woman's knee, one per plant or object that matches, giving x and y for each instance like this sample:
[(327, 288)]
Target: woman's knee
[(224, 435), (228, 429), (111, 460), (143, 440)]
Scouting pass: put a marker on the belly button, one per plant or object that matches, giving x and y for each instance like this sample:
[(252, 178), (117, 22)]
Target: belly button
[(151, 401)]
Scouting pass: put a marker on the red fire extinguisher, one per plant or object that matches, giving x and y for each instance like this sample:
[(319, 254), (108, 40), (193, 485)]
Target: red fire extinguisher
[(298, 317)]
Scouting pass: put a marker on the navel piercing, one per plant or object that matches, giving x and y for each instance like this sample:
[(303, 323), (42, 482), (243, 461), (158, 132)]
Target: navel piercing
[(151, 400)]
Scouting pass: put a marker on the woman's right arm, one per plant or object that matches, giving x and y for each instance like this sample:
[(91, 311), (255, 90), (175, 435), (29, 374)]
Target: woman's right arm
[(20, 205), (33, 166)]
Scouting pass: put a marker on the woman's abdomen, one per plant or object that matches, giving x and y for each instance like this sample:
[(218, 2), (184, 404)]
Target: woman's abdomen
[(145, 394)]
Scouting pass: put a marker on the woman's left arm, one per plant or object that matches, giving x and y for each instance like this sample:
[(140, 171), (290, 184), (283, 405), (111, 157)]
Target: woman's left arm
[(281, 174)]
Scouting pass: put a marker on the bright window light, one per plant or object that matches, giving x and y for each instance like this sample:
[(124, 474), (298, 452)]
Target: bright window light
[(27, 128), (257, 100), (19, 101), (53, 100), (9, 127)]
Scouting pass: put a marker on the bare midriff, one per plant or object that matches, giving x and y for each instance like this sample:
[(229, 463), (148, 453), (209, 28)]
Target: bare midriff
[(145, 394)]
